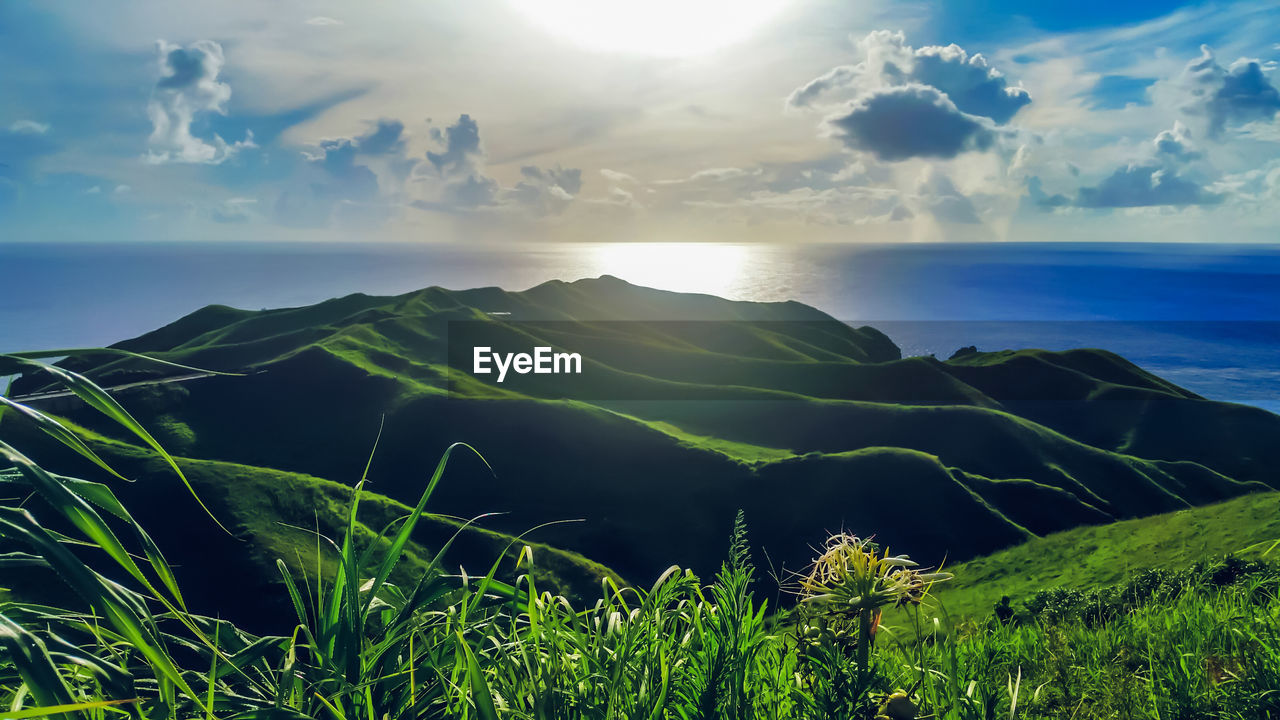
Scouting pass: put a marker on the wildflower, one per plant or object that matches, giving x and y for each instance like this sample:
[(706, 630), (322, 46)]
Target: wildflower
[(851, 576)]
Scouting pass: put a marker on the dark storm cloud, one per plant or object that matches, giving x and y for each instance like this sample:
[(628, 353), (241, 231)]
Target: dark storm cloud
[(1145, 185), (910, 121), (1236, 94)]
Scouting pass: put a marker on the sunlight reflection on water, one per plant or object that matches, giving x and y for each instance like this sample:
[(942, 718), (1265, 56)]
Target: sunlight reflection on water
[(941, 296)]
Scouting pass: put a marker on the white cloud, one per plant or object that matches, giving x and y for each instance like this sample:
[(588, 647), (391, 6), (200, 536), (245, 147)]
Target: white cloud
[(616, 176), (188, 87), (29, 127), (1235, 94), (234, 210), (968, 81), (900, 102), (322, 21)]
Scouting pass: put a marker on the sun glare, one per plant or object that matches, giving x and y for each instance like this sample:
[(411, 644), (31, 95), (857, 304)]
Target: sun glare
[(717, 269), (651, 27)]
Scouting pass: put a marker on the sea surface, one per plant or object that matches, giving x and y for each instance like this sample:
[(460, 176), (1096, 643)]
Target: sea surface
[(1205, 316)]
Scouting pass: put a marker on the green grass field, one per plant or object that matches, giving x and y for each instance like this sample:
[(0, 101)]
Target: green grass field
[(271, 569), (1102, 555)]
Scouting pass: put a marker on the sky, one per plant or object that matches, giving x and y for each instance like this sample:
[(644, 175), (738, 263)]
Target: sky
[(665, 120)]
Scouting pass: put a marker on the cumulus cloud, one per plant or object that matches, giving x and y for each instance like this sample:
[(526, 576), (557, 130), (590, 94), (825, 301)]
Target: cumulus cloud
[(461, 152), (1145, 185), (1040, 199), (546, 190), (909, 121), (973, 85), (387, 137), (457, 181), (1176, 144), (967, 80), (355, 180), (187, 88), (337, 181), (901, 102), (1232, 95), (1160, 180)]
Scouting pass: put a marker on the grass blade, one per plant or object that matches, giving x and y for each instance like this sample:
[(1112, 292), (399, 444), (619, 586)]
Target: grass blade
[(98, 399)]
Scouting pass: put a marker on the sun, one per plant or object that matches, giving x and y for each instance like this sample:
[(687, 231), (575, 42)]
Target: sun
[(713, 268), (670, 28)]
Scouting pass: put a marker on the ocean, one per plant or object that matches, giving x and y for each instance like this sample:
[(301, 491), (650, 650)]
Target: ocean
[(1205, 316)]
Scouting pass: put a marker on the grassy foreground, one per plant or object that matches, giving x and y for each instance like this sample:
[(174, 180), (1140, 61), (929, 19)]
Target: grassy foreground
[(1103, 555), (1198, 645)]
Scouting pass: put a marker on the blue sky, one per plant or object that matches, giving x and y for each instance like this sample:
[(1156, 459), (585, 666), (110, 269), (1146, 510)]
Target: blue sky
[(698, 120)]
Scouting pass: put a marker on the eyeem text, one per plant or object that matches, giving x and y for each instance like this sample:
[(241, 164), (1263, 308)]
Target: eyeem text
[(541, 362)]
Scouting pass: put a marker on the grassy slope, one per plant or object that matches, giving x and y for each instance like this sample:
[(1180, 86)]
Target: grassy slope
[(1103, 400), (805, 424), (274, 515), (1103, 555)]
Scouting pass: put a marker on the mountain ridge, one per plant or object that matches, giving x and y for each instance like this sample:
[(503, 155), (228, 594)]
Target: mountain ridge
[(804, 422)]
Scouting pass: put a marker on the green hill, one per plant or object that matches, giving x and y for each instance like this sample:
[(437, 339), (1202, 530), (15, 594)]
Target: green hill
[(1103, 555), (695, 406), (273, 515)]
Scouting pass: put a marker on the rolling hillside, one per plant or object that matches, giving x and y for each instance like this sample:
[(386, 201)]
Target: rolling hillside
[(807, 424), (276, 515), (1103, 555)]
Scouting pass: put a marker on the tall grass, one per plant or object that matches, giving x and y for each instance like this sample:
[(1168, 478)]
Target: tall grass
[(862, 640)]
